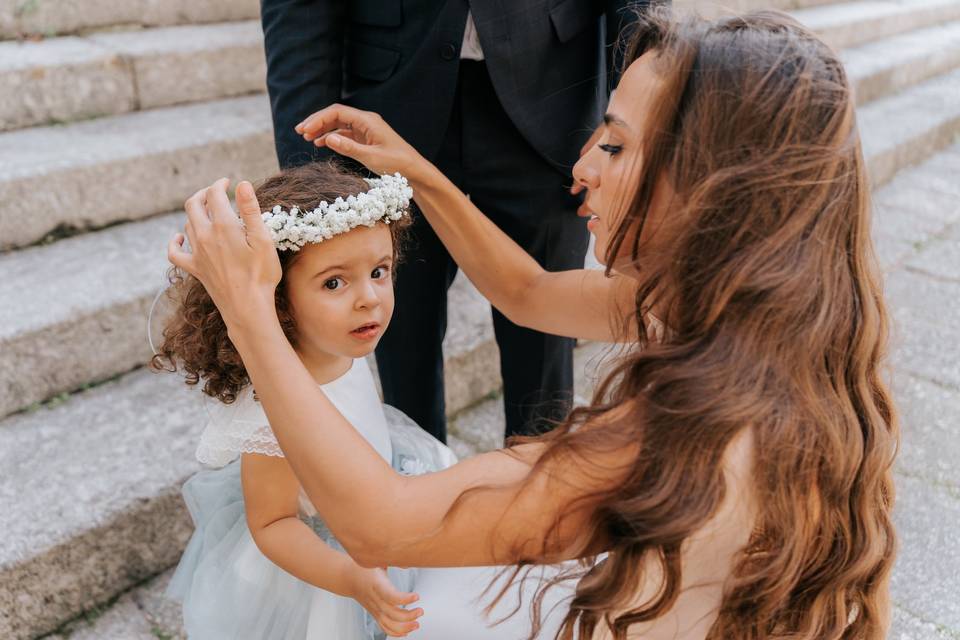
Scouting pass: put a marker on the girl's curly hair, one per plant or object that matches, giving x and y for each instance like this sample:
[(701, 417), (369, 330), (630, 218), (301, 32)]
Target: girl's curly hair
[(195, 336)]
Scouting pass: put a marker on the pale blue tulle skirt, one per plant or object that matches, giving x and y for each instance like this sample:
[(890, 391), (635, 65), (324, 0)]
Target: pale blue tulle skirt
[(230, 590)]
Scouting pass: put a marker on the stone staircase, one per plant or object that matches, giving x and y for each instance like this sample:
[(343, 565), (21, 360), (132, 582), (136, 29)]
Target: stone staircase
[(110, 115)]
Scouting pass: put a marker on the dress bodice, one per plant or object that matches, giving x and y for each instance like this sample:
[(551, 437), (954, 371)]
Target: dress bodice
[(354, 394), (243, 427)]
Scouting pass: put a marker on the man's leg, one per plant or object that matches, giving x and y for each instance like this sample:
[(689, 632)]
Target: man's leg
[(527, 198), (410, 354), (537, 368)]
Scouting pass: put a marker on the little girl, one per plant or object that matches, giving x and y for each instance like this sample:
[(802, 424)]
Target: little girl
[(260, 563)]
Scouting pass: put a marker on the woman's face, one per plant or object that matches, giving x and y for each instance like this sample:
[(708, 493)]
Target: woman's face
[(341, 292), (609, 170)]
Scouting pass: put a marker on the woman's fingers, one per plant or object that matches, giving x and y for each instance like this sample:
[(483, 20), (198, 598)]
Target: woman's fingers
[(347, 147), (197, 212), (189, 232), (321, 140), (218, 204), (251, 215), (336, 116), (178, 256)]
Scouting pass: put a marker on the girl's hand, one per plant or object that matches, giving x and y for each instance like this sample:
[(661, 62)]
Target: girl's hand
[(365, 137), (374, 591), (237, 263)]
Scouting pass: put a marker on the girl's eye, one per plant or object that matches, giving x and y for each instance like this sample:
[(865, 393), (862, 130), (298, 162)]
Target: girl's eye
[(612, 149), (379, 272), (333, 284)]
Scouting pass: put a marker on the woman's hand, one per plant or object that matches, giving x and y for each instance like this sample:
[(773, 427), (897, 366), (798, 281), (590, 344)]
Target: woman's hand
[(375, 593), (237, 263), (365, 137)]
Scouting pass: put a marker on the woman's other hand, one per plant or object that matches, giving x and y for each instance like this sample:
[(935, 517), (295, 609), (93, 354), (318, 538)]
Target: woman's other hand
[(365, 137), (236, 262)]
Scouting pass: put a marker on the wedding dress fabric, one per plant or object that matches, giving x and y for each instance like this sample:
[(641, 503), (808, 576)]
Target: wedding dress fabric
[(229, 589)]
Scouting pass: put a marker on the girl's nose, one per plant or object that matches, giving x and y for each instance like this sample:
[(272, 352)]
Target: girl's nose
[(367, 297)]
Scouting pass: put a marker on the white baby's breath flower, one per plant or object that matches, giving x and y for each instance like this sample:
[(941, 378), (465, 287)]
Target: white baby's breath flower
[(387, 201)]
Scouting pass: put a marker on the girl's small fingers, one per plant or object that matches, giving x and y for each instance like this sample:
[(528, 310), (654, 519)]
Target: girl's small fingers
[(399, 630), (396, 597), (403, 615)]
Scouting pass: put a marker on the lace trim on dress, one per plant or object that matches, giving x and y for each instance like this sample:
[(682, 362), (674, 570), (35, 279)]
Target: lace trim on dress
[(235, 429)]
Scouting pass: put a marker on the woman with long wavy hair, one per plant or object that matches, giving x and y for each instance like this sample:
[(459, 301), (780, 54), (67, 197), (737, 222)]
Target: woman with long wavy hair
[(732, 476)]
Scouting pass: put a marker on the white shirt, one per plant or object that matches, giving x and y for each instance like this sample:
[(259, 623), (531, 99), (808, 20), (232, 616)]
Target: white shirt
[(470, 49)]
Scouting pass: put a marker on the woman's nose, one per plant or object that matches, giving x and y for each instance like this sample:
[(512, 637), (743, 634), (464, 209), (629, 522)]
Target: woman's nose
[(584, 173)]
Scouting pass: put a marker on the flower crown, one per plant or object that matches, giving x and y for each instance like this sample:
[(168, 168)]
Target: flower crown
[(387, 200)]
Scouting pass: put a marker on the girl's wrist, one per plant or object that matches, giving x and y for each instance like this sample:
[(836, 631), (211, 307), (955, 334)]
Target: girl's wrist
[(350, 579)]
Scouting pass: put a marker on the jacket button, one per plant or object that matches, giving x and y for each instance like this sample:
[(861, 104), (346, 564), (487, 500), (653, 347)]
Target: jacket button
[(448, 51)]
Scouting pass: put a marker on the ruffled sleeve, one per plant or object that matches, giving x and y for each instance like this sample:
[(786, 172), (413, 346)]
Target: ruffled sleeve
[(240, 427)]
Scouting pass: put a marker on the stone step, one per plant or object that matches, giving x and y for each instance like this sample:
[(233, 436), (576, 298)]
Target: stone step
[(90, 174), (41, 302), (716, 8), (901, 130), (855, 23), (107, 73), (46, 18), (75, 312), (90, 500), (893, 64), (175, 150)]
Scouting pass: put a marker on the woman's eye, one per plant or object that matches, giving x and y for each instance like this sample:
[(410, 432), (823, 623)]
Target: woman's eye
[(332, 284), (379, 272), (612, 149)]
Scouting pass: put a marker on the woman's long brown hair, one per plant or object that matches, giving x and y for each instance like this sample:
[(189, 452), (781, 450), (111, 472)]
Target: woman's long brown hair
[(775, 323)]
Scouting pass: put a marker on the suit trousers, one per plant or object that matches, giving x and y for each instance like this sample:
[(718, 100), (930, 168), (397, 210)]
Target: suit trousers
[(485, 155)]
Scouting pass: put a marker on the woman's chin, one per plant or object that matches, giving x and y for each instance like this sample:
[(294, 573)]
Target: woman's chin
[(599, 253)]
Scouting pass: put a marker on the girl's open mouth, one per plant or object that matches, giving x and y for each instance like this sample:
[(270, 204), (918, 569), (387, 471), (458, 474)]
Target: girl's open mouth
[(366, 332)]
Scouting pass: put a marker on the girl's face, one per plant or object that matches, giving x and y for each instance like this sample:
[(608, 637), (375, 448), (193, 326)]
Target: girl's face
[(609, 170), (341, 292)]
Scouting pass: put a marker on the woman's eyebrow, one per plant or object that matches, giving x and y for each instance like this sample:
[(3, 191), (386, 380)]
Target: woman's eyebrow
[(610, 118)]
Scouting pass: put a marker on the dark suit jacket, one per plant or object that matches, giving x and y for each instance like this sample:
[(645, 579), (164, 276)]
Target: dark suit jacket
[(550, 62)]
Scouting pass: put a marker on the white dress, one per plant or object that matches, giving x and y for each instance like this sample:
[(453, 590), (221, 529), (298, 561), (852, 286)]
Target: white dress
[(229, 589)]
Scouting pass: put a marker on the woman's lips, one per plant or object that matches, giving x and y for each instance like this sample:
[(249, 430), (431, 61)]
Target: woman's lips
[(366, 332), (592, 222)]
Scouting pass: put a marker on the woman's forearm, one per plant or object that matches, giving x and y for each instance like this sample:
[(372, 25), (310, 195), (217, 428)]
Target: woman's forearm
[(502, 271)]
